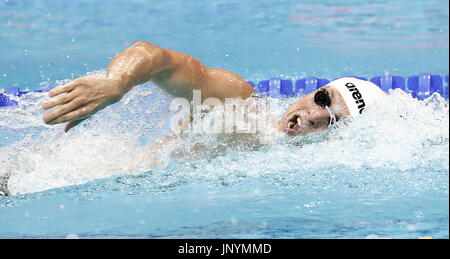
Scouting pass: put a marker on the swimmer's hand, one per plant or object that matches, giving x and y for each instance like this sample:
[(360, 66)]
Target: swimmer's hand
[(81, 98)]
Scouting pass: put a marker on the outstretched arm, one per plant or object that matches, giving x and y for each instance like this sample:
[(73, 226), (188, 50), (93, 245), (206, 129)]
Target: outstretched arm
[(176, 73)]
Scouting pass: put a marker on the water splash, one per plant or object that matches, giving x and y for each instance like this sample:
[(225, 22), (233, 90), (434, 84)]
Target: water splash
[(400, 146)]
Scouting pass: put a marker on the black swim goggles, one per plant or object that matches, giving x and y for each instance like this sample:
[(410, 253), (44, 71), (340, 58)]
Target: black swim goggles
[(323, 99)]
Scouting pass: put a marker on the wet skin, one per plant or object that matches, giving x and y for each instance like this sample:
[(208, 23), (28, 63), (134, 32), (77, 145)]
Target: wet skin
[(306, 117), (178, 74)]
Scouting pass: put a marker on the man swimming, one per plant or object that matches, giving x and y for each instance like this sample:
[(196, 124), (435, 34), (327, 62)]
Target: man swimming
[(179, 74)]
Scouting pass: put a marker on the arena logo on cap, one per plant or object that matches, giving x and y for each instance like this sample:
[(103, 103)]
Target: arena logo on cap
[(357, 96)]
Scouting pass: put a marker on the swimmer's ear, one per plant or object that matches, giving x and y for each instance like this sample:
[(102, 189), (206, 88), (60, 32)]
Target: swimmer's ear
[(72, 124)]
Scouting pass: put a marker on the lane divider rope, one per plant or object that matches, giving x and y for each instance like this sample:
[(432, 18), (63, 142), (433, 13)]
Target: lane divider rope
[(420, 86)]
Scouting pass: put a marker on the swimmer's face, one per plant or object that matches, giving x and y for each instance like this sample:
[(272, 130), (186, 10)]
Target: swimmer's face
[(309, 114)]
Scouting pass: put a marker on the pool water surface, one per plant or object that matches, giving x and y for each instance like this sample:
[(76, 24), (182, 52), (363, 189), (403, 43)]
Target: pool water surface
[(383, 175)]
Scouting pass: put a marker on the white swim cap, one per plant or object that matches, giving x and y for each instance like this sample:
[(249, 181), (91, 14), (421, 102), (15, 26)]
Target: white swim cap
[(357, 94)]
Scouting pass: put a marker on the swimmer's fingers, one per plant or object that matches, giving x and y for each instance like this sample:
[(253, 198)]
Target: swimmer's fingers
[(54, 116), (63, 89), (76, 114), (60, 100), (72, 124)]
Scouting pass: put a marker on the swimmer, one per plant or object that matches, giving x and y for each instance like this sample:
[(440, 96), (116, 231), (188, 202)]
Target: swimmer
[(179, 74)]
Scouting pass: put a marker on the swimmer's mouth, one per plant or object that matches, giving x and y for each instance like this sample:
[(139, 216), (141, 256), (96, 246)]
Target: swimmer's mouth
[(292, 126)]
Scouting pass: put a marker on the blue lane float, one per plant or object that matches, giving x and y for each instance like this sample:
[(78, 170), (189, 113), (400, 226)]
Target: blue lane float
[(388, 82), (5, 99), (446, 88), (423, 85), (420, 86)]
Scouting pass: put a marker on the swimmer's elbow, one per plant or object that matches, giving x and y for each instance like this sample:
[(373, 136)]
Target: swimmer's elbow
[(142, 44), (154, 54), (150, 49)]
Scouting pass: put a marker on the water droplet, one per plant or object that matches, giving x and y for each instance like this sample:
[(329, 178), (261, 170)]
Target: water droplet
[(419, 214)]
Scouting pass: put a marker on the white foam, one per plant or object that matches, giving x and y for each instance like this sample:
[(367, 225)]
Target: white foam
[(396, 136)]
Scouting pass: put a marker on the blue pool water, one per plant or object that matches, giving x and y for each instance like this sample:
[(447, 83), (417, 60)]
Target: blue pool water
[(384, 175)]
